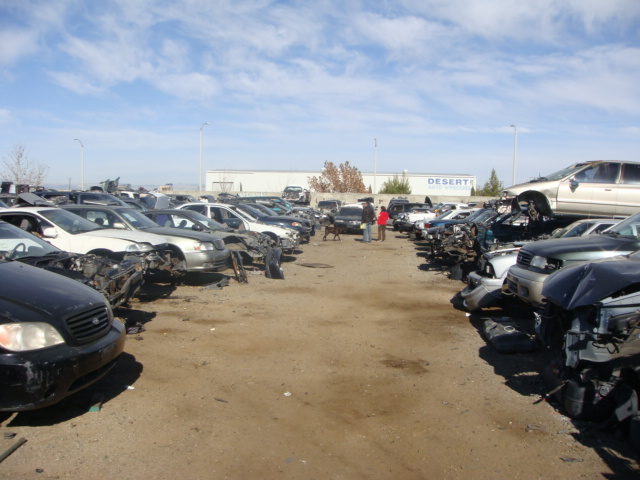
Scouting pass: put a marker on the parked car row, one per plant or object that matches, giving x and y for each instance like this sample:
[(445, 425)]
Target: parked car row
[(65, 266), (579, 278)]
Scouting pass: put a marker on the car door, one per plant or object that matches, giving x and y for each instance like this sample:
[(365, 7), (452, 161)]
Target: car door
[(628, 201), (591, 191), (227, 217)]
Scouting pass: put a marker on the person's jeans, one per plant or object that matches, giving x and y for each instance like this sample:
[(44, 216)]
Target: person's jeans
[(366, 233)]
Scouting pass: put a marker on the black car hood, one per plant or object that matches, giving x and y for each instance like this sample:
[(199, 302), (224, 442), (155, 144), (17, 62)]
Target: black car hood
[(590, 243), (28, 293), (588, 283)]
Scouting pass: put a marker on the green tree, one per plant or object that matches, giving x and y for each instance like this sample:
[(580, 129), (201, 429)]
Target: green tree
[(341, 179), (396, 185), (493, 187)]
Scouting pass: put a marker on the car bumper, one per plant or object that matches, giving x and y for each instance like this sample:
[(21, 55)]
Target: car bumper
[(30, 380), (349, 225), (481, 292), (526, 285), (207, 261)]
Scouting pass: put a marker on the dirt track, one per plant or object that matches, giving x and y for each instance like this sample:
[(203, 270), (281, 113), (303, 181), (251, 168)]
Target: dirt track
[(360, 370)]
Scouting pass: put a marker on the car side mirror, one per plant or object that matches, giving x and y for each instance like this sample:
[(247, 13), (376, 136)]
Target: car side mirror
[(119, 225), (49, 232), (574, 184), (196, 227)]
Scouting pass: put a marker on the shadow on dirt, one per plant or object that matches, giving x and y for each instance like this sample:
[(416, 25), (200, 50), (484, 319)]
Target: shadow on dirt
[(117, 381), (522, 373)]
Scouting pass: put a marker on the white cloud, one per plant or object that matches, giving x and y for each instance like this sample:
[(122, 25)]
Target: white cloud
[(16, 44)]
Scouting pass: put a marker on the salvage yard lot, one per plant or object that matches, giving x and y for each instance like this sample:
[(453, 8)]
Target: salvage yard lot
[(361, 370)]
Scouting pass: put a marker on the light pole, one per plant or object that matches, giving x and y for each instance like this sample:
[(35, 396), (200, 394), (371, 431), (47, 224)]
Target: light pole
[(82, 165), (375, 162), (515, 152), (200, 176)]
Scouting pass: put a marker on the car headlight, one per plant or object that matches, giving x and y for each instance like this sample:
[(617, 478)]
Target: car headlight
[(203, 246), (544, 263), (538, 262), (138, 248), (26, 336), (296, 224)]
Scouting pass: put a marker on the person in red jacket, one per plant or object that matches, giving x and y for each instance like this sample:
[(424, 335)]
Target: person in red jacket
[(382, 224)]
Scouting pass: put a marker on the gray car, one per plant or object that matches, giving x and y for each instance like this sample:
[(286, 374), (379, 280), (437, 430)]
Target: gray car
[(598, 188), (537, 260), (190, 251)]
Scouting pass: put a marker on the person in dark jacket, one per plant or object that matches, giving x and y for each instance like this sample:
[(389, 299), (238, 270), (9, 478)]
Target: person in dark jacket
[(368, 218)]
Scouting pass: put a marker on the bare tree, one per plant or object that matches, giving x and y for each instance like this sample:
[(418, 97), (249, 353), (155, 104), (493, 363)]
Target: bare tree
[(342, 179), (22, 170)]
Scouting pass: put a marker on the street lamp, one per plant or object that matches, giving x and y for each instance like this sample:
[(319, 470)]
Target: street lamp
[(515, 150), (375, 163), (200, 176), (82, 165)]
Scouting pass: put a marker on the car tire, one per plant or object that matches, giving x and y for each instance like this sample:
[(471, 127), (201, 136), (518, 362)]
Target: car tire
[(272, 264)]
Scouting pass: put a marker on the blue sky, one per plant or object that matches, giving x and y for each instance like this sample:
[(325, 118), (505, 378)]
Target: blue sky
[(289, 84)]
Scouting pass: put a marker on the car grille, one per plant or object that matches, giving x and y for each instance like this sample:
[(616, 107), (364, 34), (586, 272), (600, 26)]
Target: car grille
[(524, 258), (90, 324)]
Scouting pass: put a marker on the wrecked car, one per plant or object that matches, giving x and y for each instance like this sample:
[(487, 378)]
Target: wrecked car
[(602, 188), (188, 251), (252, 245), (72, 233), (487, 286), (296, 194), (537, 260), (118, 282), (57, 336), (231, 216), (591, 325)]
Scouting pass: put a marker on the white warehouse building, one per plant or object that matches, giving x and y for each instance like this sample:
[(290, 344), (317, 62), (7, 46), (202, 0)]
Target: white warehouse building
[(445, 184)]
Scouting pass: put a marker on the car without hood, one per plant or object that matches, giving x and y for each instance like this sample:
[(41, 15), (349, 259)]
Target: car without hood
[(231, 216), (537, 260), (487, 285), (253, 246), (72, 233), (118, 282), (189, 251)]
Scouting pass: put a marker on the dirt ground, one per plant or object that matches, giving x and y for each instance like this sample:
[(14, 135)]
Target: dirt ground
[(357, 365)]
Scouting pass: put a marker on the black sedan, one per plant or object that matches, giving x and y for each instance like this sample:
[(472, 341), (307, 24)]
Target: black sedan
[(57, 336), (349, 217)]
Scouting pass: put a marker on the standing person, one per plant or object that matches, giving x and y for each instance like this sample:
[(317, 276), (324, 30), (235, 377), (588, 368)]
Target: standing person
[(382, 224), (368, 217)]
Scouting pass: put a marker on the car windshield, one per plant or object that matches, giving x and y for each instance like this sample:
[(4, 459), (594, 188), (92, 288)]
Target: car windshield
[(15, 243), (136, 219), (254, 212), (264, 209), (559, 175), (629, 227), (243, 214), (325, 204), (350, 212), (69, 222), (190, 219)]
